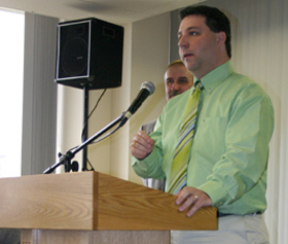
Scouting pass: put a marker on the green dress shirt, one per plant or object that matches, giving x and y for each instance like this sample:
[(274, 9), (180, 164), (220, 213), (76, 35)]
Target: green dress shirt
[(229, 153)]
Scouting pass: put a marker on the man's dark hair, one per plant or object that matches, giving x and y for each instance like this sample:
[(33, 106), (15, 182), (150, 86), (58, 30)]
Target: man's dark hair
[(215, 20)]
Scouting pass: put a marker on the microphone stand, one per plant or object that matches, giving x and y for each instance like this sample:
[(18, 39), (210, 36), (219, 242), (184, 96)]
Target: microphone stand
[(66, 158)]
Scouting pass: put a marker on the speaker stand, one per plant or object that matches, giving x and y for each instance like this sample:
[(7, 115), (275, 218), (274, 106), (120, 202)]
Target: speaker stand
[(85, 128)]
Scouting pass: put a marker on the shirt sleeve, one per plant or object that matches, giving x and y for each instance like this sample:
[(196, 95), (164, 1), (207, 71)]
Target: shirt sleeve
[(151, 166), (247, 137)]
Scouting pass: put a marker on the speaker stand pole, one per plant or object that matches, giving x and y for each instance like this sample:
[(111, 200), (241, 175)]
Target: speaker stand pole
[(85, 128)]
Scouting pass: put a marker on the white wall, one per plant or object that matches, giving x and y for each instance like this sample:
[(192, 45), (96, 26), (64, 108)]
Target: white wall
[(120, 157), (69, 121), (150, 57)]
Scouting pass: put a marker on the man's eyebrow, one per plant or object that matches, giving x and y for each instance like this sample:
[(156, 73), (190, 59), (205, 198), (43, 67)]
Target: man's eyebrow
[(189, 29), (183, 78)]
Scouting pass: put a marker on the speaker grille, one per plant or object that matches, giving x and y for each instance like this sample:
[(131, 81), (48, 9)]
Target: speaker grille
[(74, 58), (89, 52)]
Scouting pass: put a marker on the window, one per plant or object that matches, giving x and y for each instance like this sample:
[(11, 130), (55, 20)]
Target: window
[(11, 91)]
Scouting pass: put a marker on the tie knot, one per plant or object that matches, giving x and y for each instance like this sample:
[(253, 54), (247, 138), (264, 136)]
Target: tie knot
[(199, 85)]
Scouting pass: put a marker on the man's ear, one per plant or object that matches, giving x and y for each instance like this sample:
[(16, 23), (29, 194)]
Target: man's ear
[(221, 37)]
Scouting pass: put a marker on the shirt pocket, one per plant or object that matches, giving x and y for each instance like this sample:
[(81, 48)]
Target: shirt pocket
[(210, 136)]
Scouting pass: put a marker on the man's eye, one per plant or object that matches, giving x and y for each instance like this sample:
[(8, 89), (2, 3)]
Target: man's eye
[(182, 81), (193, 33)]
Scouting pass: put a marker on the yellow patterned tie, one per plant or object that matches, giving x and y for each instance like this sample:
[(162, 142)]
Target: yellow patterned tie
[(178, 176)]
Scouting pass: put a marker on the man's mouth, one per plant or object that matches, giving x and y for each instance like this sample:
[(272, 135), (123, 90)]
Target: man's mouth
[(187, 55)]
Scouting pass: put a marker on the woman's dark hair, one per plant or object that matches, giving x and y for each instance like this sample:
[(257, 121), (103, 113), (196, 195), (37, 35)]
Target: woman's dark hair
[(215, 20)]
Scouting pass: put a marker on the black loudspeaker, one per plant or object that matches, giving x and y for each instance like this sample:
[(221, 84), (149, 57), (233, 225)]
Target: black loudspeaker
[(89, 54)]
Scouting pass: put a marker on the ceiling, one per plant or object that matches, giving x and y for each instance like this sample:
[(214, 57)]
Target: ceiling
[(115, 11)]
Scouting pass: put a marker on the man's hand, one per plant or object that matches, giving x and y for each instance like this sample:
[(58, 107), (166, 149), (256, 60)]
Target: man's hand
[(192, 198), (141, 145)]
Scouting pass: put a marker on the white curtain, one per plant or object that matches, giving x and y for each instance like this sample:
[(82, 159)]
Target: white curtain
[(39, 94)]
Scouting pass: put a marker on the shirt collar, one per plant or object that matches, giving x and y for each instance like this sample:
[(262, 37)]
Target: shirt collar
[(216, 76)]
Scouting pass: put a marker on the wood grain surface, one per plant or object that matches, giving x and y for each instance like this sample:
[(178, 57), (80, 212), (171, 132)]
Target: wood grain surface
[(126, 206), (92, 201), (47, 201)]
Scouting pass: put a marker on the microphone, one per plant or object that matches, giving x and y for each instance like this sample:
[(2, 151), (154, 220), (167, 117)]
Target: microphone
[(147, 88)]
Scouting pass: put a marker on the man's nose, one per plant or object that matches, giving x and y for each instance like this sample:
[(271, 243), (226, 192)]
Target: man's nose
[(175, 85), (182, 42)]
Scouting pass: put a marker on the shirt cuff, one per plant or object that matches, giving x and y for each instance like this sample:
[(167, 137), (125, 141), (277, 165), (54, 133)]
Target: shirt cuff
[(215, 191)]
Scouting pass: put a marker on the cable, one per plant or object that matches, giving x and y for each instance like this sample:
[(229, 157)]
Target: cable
[(92, 111), (97, 103), (91, 167), (101, 139)]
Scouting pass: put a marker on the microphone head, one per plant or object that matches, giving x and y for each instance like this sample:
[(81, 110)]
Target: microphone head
[(148, 85)]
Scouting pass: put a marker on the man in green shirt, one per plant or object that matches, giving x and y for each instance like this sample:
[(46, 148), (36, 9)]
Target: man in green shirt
[(227, 164)]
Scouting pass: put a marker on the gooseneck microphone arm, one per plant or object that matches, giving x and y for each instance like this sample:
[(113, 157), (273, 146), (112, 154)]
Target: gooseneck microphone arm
[(65, 159), (147, 89)]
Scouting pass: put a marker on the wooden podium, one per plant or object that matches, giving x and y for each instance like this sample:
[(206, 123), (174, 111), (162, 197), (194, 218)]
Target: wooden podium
[(92, 207)]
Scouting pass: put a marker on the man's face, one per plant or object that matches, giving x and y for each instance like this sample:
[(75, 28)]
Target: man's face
[(177, 80), (198, 45)]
